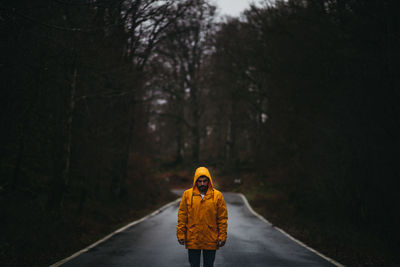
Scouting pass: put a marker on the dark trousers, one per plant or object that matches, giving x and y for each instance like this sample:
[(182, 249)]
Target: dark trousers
[(208, 257)]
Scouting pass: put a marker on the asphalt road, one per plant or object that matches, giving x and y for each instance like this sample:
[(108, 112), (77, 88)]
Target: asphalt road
[(152, 242)]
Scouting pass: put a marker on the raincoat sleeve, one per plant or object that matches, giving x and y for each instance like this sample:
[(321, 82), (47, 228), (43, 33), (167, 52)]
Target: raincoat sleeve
[(182, 219), (222, 219)]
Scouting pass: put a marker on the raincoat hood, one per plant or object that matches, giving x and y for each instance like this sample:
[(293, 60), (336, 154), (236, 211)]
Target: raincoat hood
[(202, 171)]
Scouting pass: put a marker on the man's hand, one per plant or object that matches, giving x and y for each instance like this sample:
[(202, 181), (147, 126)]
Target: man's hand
[(181, 241), (221, 243)]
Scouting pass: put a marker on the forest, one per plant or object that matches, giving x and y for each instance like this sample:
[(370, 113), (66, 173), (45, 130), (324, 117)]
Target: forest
[(296, 99)]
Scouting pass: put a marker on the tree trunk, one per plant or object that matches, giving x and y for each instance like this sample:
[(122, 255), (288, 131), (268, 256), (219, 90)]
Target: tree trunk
[(60, 180), (179, 143), (196, 126), (17, 169), (231, 142)]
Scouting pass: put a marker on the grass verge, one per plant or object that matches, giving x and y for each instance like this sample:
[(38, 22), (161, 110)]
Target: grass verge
[(316, 226), (32, 237)]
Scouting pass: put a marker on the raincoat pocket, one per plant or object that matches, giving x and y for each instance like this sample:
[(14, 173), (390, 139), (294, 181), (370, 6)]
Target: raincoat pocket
[(192, 232), (212, 233)]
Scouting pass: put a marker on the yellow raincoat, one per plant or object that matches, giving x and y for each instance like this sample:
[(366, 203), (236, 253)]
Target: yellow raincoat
[(202, 222)]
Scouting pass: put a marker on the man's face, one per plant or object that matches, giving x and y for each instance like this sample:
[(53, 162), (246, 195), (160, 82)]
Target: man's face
[(202, 183)]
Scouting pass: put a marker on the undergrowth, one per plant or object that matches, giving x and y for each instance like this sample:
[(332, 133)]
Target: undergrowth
[(319, 226), (34, 237)]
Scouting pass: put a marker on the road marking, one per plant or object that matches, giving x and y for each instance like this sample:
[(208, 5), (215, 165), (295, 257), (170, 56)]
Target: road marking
[(289, 236), (113, 233), (172, 203)]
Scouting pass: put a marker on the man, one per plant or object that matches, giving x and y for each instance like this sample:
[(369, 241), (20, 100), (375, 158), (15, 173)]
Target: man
[(202, 219)]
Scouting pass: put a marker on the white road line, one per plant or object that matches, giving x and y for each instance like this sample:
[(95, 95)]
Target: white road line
[(113, 233), (289, 236), (172, 203)]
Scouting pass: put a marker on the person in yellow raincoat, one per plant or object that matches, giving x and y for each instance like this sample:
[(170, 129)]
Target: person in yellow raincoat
[(202, 219)]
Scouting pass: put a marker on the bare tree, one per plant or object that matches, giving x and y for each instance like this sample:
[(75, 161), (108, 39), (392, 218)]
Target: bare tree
[(183, 54)]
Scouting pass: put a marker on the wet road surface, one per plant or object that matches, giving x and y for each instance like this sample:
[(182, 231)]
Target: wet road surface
[(152, 242)]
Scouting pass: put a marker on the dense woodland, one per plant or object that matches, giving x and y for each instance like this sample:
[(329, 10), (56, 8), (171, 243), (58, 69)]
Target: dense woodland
[(299, 96)]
